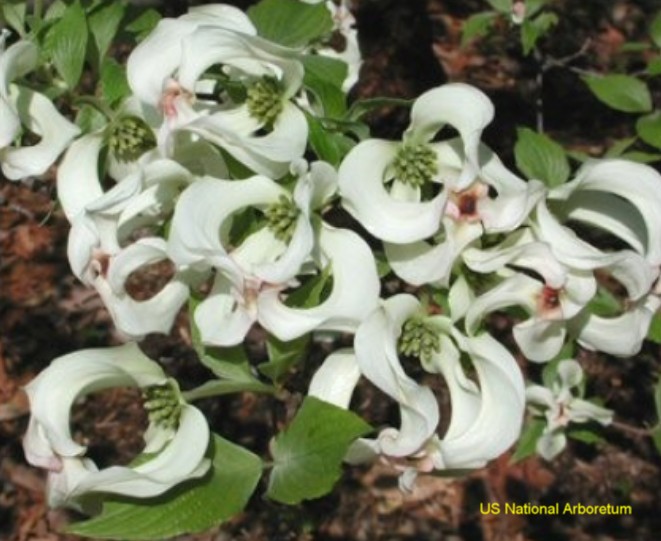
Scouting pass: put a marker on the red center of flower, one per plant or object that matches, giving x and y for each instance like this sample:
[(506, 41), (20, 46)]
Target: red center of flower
[(550, 298)]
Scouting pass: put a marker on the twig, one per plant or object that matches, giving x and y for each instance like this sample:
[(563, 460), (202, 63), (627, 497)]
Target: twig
[(633, 430)]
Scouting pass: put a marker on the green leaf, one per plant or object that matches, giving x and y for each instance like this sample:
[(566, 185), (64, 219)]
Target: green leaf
[(654, 332), (656, 437), (114, 86), (657, 399), (331, 70), (90, 119), (328, 145), (641, 157), (476, 26), (620, 92), (585, 435), (528, 440), (308, 454), (605, 304), (324, 77), (103, 25), (283, 356), (66, 43), (55, 10), (539, 157), (143, 24), (550, 371), (313, 292), (655, 29), (13, 13), (634, 47), (193, 506), (503, 6), (228, 363), (648, 128), (618, 147), (219, 387), (533, 29), (360, 108), (291, 22), (654, 66), (533, 7)]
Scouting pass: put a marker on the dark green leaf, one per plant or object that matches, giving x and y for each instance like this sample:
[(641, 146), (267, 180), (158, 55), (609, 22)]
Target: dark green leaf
[(143, 24), (313, 292), (656, 437), (657, 399), (533, 7), (103, 25), (621, 92), (649, 128), (476, 26), (654, 332), (585, 435), (66, 43), (114, 86), (291, 22), (308, 454), (654, 66), (503, 6), (283, 356), (533, 29), (634, 47), (219, 387), (360, 108), (193, 506), (528, 440), (328, 145), (539, 157), (618, 147), (655, 29)]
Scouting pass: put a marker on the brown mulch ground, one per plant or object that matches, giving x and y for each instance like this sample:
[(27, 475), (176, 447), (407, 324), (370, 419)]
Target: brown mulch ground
[(409, 47)]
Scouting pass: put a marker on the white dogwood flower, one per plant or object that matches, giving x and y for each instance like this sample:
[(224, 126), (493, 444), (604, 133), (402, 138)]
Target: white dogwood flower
[(178, 434), (171, 69), (101, 250), (399, 213), (23, 108), (561, 407), (469, 213), (486, 419)]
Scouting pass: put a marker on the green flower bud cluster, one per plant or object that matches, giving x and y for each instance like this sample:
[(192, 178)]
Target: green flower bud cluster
[(415, 164), (163, 404), (264, 100), (419, 339), (281, 217), (129, 138)]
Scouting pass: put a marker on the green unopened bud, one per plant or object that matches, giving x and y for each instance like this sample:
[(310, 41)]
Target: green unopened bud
[(281, 217), (419, 339), (415, 165), (163, 404), (129, 137), (264, 100)]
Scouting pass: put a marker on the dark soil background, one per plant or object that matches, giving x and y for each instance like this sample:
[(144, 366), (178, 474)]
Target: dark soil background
[(409, 46)]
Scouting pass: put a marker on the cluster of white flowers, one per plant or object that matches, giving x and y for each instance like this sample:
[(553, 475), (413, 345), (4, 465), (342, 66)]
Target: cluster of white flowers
[(209, 98)]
